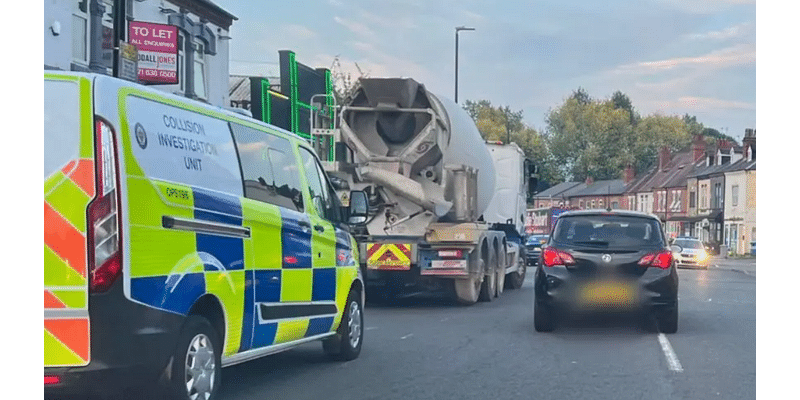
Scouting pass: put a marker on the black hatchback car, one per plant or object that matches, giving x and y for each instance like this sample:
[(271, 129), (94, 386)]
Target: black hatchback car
[(598, 260)]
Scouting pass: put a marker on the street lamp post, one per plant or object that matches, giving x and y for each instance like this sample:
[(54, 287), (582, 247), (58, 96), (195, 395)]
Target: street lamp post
[(458, 29)]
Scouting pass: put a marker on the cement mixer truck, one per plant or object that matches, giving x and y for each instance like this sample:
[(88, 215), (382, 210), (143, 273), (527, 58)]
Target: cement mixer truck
[(446, 208)]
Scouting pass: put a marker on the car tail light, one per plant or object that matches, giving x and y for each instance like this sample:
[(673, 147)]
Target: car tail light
[(51, 380), (451, 254), (553, 257), (105, 257), (662, 259)]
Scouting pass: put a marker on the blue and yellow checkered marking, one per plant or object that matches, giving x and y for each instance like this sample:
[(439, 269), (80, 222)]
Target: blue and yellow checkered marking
[(295, 239), (297, 280)]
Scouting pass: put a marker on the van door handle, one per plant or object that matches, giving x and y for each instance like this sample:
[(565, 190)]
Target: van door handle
[(319, 228), (304, 224)]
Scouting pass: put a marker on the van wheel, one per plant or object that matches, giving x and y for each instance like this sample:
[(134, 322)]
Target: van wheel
[(346, 344), (196, 364)]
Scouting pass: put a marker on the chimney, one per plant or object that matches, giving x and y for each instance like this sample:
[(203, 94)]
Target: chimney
[(749, 142), (589, 180), (698, 148), (629, 174), (663, 158)]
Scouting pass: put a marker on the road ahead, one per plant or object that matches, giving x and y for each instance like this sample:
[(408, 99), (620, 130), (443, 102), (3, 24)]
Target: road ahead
[(432, 349)]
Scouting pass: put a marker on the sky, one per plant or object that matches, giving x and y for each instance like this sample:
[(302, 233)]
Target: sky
[(669, 56)]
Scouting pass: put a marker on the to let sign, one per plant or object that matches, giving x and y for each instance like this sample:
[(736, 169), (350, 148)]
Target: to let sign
[(158, 51)]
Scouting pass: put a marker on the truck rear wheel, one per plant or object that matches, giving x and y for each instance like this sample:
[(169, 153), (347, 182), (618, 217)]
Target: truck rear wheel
[(501, 272), (466, 290), (489, 287)]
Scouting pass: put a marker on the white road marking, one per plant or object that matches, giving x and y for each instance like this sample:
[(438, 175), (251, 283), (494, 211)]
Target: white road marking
[(407, 336), (369, 328), (672, 358)]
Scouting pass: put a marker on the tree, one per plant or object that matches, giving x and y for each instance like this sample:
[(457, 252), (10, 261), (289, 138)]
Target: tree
[(581, 96), (592, 139), (344, 84), (656, 131), (502, 123), (621, 101)]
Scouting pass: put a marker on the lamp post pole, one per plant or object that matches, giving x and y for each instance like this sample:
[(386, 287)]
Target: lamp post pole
[(458, 29)]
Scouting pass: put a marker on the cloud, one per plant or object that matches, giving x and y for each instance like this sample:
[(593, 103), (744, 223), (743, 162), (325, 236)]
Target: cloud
[(299, 31), (704, 6), (741, 54), (698, 104), (733, 32), (354, 27)]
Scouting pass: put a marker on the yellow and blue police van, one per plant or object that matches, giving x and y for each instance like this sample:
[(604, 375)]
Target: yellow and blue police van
[(180, 238)]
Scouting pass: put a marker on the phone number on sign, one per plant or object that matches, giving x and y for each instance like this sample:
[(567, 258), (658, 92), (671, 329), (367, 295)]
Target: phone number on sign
[(151, 73)]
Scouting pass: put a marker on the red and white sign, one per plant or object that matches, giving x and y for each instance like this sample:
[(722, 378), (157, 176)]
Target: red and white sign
[(158, 51)]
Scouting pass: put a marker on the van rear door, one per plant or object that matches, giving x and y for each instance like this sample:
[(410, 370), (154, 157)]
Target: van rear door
[(69, 186)]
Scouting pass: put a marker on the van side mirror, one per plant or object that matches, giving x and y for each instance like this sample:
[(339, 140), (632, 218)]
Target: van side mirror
[(358, 209)]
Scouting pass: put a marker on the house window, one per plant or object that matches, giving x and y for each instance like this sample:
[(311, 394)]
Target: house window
[(692, 199), (581, 204), (200, 71), (675, 206), (735, 195), (592, 203), (614, 205), (600, 204), (80, 33)]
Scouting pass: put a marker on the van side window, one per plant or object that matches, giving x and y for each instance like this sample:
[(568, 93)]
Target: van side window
[(318, 187), (269, 168)]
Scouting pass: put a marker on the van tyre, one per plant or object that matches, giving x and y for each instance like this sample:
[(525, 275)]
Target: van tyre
[(346, 344), (196, 362), (543, 317), (667, 319)]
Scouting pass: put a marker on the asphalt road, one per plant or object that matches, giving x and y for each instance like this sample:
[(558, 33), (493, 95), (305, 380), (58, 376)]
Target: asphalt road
[(430, 348)]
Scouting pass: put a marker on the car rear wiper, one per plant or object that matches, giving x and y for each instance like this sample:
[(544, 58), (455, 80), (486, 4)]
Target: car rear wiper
[(592, 242)]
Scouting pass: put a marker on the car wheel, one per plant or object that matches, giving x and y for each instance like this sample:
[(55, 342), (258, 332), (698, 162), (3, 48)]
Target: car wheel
[(346, 344), (543, 317), (196, 364), (668, 319)]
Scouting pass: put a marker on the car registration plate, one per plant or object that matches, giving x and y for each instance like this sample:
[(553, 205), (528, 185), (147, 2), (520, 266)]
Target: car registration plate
[(608, 294)]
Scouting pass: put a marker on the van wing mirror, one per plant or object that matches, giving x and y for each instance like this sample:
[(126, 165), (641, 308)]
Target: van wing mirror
[(358, 209)]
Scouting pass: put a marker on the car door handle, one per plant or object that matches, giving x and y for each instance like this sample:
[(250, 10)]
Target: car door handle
[(319, 228)]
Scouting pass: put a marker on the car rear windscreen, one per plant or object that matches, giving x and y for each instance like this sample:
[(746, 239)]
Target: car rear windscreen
[(607, 231)]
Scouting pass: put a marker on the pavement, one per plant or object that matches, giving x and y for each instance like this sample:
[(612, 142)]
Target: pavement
[(745, 265)]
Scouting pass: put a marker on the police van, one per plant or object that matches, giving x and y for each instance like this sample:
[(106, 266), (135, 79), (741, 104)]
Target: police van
[(180, 238)]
